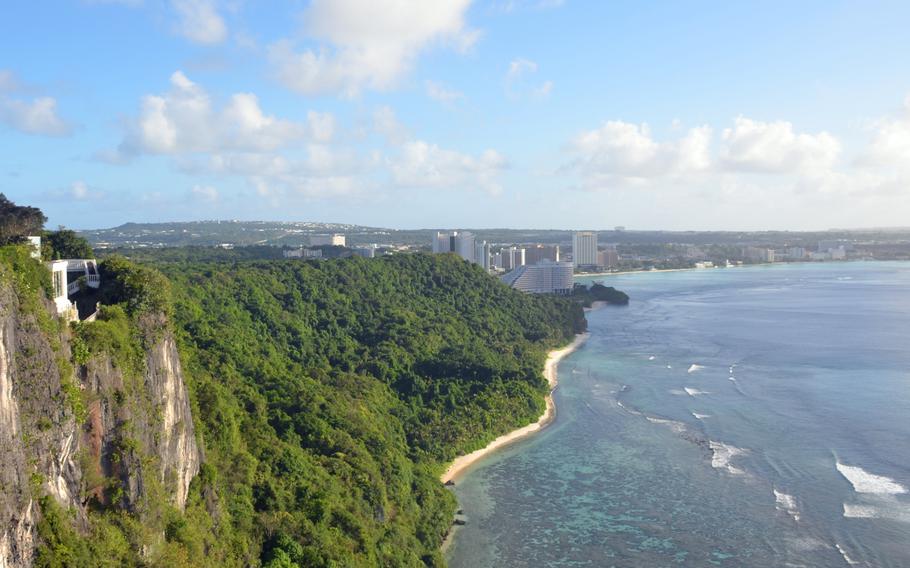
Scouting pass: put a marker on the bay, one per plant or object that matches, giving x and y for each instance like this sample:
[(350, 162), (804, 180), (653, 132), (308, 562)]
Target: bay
[(755, 416)]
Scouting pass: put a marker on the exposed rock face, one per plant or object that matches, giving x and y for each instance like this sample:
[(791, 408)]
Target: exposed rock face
[(176, 445), (137, 427), (37, 432)]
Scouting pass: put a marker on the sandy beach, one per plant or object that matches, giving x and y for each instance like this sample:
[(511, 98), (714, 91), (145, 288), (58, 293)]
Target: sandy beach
[(461, 463)]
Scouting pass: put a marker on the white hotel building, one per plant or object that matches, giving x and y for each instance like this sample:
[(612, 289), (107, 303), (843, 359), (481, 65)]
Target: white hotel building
[(546, 277), (584, 249)]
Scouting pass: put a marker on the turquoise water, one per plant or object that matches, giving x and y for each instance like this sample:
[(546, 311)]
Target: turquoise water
[(788, 443)]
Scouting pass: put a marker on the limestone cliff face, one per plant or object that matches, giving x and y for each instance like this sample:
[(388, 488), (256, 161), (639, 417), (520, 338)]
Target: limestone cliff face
[(37, 432), (176, 446), (133, 418), (134, 436)]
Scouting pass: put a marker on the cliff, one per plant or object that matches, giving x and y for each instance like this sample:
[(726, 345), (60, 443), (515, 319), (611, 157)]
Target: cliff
[(82, 429)]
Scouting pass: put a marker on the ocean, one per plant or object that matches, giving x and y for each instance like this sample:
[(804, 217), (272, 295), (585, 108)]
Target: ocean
[(755, 416)]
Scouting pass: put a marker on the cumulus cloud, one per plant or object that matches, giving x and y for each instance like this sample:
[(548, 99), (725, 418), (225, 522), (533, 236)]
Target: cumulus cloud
[(774, 147), (624, 152), (185, 120), (367, 45), (890, 143), (29, 115), (620, 153), (199, 21), (441, 94), (424, 165), (36, 116)]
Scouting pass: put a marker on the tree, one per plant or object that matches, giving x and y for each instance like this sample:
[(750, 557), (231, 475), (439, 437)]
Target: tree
[(65, 243), (18, 221)]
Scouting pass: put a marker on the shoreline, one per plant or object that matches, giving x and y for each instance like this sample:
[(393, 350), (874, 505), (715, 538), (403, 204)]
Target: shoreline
[(781, 263), (461, 463), (627, 272)]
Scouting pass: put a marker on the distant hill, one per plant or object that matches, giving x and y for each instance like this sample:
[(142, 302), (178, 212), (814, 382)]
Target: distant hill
[(296, 233)]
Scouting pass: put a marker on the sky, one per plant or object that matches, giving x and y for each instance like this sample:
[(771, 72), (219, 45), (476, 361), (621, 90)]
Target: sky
[(562, 114)]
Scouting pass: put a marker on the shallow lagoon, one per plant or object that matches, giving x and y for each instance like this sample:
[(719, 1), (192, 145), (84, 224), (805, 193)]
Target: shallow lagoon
[(752, 416)]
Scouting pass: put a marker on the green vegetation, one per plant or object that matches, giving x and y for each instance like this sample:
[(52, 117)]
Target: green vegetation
[(597, 292), (18, 222), (328, 397), (138, 288), (64, 243), (330, 394)]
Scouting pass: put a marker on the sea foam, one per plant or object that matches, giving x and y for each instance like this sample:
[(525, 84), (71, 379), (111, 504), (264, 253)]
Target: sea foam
[(865, 482), (786, 503), (723, 454), (677, 427), (701, 416), (843, 553)]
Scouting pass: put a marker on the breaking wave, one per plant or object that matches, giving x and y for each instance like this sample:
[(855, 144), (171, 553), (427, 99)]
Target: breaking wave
[(677, 427), (786, 503), (695, 367), (723, 454), (843, 553), (865, 482), (694, 392)]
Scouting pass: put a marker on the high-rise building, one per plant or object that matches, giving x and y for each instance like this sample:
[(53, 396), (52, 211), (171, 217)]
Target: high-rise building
[(482, 255), (584, 248), (512, 258), (536, 253), (365, 251), (442, 242), (464, 245), (608, 258), (546, 277), (496, 261)]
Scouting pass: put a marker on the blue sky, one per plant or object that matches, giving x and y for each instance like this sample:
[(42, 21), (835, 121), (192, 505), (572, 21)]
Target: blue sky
[(452, 113)]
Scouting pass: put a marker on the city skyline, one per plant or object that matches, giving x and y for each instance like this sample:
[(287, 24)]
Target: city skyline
[(456, 113)]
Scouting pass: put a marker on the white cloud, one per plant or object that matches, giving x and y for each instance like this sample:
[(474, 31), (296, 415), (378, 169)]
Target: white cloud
[(774, 147), (544, 90), (38, 116), (184, 120), (199, 21), (441, 94), (387, 125), (890, 144), (30, 116), (621, 152), (424, 165), (79, 190), (367, 45), (204, 193), (519, 68), (518, 80)]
